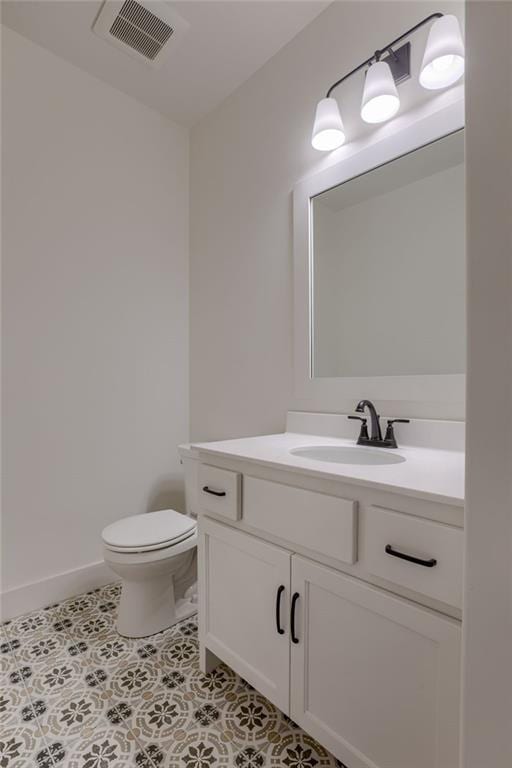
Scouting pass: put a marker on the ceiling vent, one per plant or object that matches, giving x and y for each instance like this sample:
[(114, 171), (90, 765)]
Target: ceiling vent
[(147, 30)]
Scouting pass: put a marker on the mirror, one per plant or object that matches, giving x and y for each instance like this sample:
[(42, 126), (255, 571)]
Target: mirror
[(387, 268)]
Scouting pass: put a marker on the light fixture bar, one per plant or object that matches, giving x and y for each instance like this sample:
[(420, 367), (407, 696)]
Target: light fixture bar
[(387, 48)]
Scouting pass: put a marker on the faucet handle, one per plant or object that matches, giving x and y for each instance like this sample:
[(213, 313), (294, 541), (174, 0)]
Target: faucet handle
[(390, 432), (363, 434)]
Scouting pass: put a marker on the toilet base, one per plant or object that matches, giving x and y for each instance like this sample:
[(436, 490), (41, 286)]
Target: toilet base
[(184, 609), (149, 607), (155, 594)]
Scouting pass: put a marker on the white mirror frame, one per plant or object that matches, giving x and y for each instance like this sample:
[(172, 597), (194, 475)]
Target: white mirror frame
[(426, 396)]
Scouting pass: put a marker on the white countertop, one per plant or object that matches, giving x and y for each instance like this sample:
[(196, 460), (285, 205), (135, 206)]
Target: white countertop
[(426, 473)]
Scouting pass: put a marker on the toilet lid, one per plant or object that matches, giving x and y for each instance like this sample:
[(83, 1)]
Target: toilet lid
[(151, 530)]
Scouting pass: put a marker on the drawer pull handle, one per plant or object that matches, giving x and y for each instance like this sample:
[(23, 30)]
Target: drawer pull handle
[(213, 493), (295, 597), (410, 559), (280, 630)]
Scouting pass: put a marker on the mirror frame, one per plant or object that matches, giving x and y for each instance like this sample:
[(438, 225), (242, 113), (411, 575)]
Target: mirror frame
[(424, 396)]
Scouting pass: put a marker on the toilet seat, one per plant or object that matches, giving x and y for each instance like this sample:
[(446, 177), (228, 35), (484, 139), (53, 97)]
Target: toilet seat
[(137, 557), (149, 532)]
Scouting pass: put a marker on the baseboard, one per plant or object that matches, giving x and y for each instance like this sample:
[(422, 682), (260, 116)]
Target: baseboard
[(39, 594)]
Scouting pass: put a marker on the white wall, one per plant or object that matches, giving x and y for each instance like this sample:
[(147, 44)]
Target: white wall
[(487, 706), (246, 157), (95, 313)]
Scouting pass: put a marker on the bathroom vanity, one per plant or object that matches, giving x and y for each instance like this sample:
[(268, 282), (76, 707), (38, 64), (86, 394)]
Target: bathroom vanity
[(335, 588), (331, 573)]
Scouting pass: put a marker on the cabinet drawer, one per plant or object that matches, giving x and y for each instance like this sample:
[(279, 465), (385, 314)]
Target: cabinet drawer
[(437, 547), (219, 492), (316, 521)]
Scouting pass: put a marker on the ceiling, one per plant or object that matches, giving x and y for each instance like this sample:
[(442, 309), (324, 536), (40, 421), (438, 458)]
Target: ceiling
[(224, 45)]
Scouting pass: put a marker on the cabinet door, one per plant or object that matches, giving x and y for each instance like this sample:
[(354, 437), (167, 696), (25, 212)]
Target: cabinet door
[(373, 677), (242, 579)]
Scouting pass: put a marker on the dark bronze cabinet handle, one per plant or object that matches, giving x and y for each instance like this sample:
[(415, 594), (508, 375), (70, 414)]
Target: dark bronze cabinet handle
[(295, 597), (410, 559), (280, 630), (213, 493)]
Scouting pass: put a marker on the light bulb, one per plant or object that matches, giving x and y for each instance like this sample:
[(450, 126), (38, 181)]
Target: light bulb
[(443, 60), (380, 96), (443, 63), (328, 131)]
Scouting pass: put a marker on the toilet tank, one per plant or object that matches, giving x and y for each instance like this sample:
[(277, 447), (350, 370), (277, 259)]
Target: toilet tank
[(189, 458)]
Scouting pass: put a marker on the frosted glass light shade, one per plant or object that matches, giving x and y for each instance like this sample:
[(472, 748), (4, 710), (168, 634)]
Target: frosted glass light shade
[(443, 60), (328, 131), (380, 96)]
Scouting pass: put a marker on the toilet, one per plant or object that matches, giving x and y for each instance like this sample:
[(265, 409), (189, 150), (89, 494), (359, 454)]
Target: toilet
[(155, 554)]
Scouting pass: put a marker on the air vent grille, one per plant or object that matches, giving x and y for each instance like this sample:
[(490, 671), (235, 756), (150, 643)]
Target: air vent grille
[(140, 29), (147, 30)]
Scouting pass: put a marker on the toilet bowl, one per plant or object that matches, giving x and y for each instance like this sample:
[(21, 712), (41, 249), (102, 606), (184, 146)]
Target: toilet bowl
[(155, 555)]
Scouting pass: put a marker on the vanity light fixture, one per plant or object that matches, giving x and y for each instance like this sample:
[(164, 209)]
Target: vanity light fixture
[(380, 96), (443, 60), (328, 131), (442, 66)]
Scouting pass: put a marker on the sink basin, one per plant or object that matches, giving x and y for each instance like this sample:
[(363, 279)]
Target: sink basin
[(344, 454)]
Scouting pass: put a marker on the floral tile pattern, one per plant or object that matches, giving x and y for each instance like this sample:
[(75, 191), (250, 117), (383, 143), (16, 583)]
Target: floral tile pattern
[(75, 694)]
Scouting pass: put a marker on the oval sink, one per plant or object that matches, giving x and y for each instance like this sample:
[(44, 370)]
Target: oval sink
[(342, 454)]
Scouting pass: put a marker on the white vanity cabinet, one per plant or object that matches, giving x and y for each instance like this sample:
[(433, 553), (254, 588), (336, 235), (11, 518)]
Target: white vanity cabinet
[(240, 579), (319, 619), (374, 678)]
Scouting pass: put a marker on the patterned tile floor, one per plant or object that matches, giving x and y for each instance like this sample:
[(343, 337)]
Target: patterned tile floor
[(74, 694)]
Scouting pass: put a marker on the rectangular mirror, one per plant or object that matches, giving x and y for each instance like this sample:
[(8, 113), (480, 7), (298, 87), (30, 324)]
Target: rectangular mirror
[(387, 268)]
